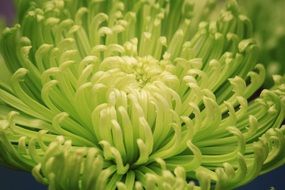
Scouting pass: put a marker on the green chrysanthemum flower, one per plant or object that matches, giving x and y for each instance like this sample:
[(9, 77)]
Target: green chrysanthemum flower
[(137, 94)]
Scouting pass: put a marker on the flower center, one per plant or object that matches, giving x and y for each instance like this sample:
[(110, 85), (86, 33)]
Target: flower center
[(139, 71)]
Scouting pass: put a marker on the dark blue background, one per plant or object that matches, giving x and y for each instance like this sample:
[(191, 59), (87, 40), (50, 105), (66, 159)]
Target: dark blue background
[(18, 180)]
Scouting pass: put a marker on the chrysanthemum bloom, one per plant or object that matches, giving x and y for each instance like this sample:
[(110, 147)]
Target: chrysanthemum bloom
[(137, 94)]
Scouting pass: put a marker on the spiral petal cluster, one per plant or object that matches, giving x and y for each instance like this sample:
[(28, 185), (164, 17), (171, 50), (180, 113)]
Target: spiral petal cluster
[(137, 94)]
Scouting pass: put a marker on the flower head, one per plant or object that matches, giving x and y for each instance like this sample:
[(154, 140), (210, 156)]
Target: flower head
[(147, 94)]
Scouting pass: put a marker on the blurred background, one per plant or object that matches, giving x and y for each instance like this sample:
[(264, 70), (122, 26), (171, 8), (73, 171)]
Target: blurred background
[(268, 18)]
